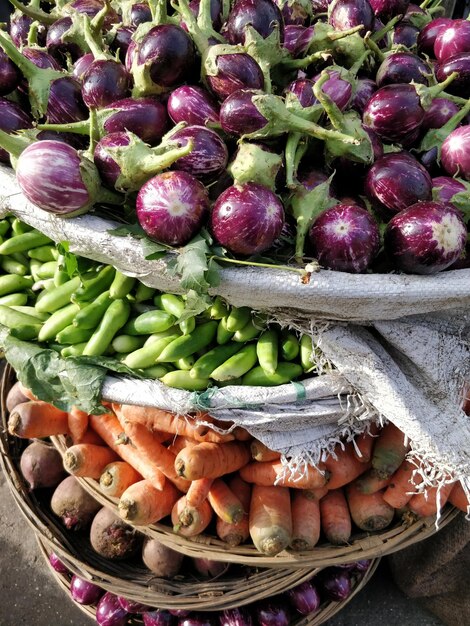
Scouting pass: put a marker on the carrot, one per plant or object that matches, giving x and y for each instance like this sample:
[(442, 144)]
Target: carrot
[(178, 443), (389, 451), (235, 534), (78, 424), (305, 521), (400, 487), (241, 434), (152, 451), (260, 452), (368, 511), (27, 392), (345, 468), (370, 482), (87, 460), (365, 444), (142, 504), (190, 521), (110, 430), (426, 504), (117, 477), (37, 419), (198, 491), (157, 419), (225, 503), (335, 517), (458, 498), (90, 436), (273, 472), (319, 493), (211, 460), (270, 519)]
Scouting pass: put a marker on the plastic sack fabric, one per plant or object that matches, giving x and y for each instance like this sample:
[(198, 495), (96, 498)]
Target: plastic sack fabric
[(400, 346)]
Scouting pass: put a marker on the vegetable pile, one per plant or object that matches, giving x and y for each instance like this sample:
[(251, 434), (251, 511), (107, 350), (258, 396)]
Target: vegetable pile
[(291, 129), (79, 308), (162, 467)]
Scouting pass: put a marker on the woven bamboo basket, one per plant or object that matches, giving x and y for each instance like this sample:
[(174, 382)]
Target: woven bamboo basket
[(326, 612)]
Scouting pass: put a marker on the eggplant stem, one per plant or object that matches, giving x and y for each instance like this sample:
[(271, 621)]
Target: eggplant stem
[(34, 12)]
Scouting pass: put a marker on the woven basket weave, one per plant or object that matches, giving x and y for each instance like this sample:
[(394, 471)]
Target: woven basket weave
[(326, 612)]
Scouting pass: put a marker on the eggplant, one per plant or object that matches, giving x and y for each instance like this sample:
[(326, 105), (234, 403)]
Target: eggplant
[(425, 238), (57, 564), (235, 617), (109, 612), (292, 34), (139, 13), (84, 592), (272, 612), (453, 39), (405, 35), (121, 42), (158, 617), (402, 67), (445, 188), (440, 111), (12, 118), (230, 72), (386, 9), (20, 25), (238, 114), (365, 89), (208, 157), (131, 606), (337, 88), (294, 12), (455, 153), (193, 105), (336, 584), (459, 63), (302, 89), (428, 34), (10, 76), (305, 598), (81, 65), (346, 14), (261, 15), (57, 45), (41, 58), (199, 619), (105, 82)]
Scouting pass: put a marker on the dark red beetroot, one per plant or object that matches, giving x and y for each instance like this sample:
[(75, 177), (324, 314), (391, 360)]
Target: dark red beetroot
[(208, 157), (109, 612), (455, 153), (425, 238), (445, 188), (112, 538), (402, 67), (345, 238), (192, 105), (440, 112), (247, 219), (459, 63), (453, 39), (397, 180), (386, 9), (171, 207), (346, 14), (105, 82), (234, 71), (12, 118), (263, 15), (238, 114), (428, 34)]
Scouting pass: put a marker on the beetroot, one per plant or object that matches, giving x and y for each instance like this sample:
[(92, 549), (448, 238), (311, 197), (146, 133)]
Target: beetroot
[(113, 538), (41, 465), (73, 504), (161, 560)]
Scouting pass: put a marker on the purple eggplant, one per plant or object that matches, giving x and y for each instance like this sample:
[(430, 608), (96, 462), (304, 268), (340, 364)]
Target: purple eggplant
[(262, 15), (455, 153), (192, 105), (386, 9), (20, 26), (362, 566), (65, 103), (171, 207), (215, 10), (292, 34), (121, 42), (272, 612), (77, 142), (199, 619), (304, 598), (319, 6), (440, 112), (294, 12), (459, 63), (12, 118), (108, 168), (57, 564), (235, 617), (109, 612), (84, 592), (345, 238), (453, 39), (131, 55), (336, 584), (302, 89), (402, 67), (405, 35), (131, 606), (57, 46), (238, 114), (163, 58), (54, 177), (10, 75), (445, 188), (247, 219), (41, 59), (105, 82), (365, 89), (232, 72), (158, 617), (81, 65), (208, 157), (425, 238), (337, 88), (139, 13), (428, 34), (179, 612), (346, 14), (397, 180), (92, 8)]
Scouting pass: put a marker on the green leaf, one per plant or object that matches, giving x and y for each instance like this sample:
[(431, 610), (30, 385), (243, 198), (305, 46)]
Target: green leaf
[(70, 260), (195, 303), (135, 230), (153, 250)]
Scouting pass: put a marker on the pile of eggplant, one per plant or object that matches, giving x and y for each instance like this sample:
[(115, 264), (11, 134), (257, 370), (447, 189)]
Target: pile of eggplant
[(292, 129)]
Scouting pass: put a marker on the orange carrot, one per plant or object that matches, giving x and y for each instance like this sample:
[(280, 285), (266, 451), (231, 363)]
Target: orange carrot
[(273, 472), (270, 519), (110, 430), (225, 503), (458, 498), (400, 488), (36, 419), (117, 477), (27, 392), (90, 436), (335, 517), (142, 504), (241, 434), (370, 482), (198, 491), (190, 521), (389, 451), (260, 452), (365, 444), (345, 468), (87, 460), (178, 443), (159, 420), (235, 534), (426, 504), (78, 424), (319, 493), (211, 460), (368, 511), (305, 521), (152, 451)]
